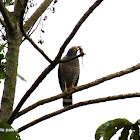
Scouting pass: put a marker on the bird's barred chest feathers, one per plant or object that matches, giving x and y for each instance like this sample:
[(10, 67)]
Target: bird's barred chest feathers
[(70, 71)]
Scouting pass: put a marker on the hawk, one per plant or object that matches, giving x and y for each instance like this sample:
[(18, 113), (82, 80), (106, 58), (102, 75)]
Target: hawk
[(68, 74)]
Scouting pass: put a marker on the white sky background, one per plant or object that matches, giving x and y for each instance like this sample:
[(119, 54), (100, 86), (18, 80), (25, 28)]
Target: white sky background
[(110, 37)]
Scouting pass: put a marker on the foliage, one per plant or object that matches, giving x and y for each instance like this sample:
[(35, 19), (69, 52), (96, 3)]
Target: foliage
[(109, 129), (9, 2), (7, 132), (2, 62), (21, 77)]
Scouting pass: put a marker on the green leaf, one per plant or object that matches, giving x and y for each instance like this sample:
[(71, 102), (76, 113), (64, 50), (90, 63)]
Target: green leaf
[(2, 47), (114, 126), (1, 57), (135, 133), (2, 75), (109, 128), (9, 2), (22, 78), (3, 64), (101, 130), (109, 134), (7, 132), (125, 133), (138, 122)]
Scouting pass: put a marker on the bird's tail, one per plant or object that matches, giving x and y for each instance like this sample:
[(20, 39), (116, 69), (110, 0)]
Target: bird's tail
[(67, 101)]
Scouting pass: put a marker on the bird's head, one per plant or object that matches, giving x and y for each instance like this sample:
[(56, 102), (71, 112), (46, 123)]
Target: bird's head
[(73, 51)]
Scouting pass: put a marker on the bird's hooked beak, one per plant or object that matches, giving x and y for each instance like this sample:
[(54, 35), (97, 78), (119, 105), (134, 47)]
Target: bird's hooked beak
[(77, 48)]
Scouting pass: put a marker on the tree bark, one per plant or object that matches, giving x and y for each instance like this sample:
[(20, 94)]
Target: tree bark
[(14, 38)]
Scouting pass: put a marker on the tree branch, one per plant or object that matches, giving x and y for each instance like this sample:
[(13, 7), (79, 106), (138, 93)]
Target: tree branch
[(34, 44), (82, 87), (19, 8), (53, 64), (94, 101), (76, 28), (6, 15), (32, 20)]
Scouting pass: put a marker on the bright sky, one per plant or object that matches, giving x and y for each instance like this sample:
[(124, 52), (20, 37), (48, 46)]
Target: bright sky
[(110, 39)]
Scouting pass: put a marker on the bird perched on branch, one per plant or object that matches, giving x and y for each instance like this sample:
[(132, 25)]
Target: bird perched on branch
[(68, 73)]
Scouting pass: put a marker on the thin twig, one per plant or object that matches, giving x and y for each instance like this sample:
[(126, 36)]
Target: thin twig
[(32, 20), (34, 29), (29, 39), (94, 101), (37, 48), (82, 87)]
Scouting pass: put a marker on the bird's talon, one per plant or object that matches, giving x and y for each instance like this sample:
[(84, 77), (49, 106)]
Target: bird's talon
[(66, 91), (74, 87)]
